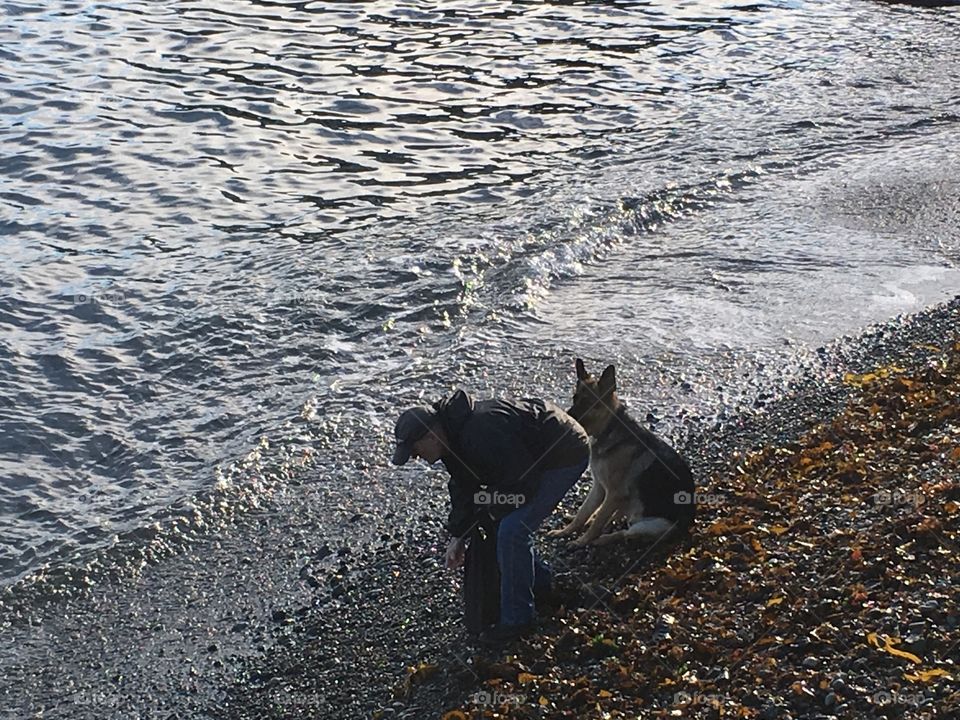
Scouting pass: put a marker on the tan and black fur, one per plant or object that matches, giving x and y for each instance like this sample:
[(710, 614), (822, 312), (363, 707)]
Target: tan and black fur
[(636, 475)]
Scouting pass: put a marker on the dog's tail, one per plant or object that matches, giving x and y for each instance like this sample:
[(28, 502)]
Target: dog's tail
[(651, 528)]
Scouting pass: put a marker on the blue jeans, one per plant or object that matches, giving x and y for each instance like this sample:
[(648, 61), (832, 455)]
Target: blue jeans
[(520, 568)]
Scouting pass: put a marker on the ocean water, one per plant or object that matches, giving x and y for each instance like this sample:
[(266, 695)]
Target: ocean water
[(238, 236)]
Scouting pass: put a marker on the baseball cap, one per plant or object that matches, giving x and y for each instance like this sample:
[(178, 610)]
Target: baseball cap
[(412, 425)]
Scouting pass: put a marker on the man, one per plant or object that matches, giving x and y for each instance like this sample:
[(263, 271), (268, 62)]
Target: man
[(515, 460)]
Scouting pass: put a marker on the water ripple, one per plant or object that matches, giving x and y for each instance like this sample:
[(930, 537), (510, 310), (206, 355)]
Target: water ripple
[(215, 214)]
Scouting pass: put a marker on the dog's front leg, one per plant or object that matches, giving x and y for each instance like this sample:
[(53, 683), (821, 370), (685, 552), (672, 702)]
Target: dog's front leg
[(587, 508), (600, 518)]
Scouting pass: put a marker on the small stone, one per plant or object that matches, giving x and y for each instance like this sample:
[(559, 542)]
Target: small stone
[(811, 663), (916, 645), (771, 712), (323, 552)]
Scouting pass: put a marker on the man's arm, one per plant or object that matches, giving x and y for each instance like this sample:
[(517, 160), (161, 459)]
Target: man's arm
[(462, 509)]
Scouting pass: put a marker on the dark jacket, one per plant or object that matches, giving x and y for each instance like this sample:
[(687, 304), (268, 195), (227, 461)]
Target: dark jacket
[(503, 446)]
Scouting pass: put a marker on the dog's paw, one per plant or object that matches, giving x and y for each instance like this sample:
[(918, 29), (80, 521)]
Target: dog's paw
[(561, 532), (581, 541)]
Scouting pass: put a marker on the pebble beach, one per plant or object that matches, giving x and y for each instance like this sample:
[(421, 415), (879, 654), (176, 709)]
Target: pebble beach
[(779, 604)]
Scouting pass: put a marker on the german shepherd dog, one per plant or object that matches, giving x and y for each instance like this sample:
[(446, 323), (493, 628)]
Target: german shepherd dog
[(636, 475)]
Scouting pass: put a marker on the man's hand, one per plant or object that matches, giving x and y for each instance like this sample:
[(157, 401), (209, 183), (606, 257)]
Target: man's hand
[(455, 552)]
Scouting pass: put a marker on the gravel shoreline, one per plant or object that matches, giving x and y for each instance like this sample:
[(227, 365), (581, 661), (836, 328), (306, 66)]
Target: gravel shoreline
[(352, 653)]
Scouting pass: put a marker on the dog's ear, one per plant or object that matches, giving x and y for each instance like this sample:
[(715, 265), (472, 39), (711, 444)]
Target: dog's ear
[(608, 381), (582, 373)]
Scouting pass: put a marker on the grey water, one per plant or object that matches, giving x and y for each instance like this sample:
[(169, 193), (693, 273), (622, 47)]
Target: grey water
[(237, 236)]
